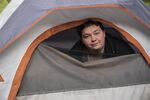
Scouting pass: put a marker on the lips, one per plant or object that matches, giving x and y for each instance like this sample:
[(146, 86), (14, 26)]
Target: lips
[(95, 44)]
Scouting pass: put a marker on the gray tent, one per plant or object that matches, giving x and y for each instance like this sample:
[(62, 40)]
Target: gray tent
[(32, 69)]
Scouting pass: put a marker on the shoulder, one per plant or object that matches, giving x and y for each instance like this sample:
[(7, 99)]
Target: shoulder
[(118, 45), (116, 41), (78, 51)]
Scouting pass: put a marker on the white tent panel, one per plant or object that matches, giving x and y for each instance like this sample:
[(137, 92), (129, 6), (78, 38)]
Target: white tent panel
[(136, 92)]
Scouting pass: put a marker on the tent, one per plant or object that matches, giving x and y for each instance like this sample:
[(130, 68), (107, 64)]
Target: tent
[(33, 21)]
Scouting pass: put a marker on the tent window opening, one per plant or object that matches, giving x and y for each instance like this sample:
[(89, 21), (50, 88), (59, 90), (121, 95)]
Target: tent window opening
[(70, 43), (53, 67)]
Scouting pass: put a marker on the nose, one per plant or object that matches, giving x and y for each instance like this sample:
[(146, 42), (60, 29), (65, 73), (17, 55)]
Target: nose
[(93, 38)]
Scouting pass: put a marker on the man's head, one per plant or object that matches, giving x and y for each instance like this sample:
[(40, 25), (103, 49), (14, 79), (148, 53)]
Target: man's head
[(92, 35)]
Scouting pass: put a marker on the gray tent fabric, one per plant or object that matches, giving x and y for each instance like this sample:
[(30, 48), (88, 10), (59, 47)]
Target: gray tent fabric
[(51, 71), (138, 8), (32, 18)]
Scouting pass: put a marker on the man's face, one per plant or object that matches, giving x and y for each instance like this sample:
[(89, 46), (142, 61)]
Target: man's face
[(93, 37)]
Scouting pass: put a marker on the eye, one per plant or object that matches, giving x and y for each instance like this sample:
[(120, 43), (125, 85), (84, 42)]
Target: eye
[(85, 36), (97, 32)]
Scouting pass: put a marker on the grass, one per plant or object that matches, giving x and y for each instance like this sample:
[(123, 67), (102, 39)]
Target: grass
[(147, 2)]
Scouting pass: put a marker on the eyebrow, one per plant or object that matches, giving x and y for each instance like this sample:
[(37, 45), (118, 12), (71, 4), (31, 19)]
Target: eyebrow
[(92, 32), (95, 30)]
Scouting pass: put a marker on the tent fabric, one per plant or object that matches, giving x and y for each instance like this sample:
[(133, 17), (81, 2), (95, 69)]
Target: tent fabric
[(138, 8), (37, 9), (66, 15), (45, 74), (31, 18), (136, 92), (20, 47)]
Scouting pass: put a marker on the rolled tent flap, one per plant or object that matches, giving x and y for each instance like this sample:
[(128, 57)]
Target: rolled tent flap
[(51, 71)]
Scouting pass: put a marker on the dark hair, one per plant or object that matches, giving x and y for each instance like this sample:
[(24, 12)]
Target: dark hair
[(87, 24)]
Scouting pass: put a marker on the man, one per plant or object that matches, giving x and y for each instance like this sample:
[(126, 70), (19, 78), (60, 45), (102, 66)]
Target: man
[(95, 43)]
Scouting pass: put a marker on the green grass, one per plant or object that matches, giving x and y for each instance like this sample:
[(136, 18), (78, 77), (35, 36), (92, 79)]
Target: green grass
[(147, 2), (3, 4)]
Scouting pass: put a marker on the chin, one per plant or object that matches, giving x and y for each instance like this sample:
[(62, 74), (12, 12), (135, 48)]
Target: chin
[(95, 48)]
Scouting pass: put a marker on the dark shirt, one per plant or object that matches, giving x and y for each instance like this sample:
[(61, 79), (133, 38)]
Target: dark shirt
[(113, 47)]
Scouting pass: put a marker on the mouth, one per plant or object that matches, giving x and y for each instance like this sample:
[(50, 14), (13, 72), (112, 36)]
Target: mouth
[(94, 44)]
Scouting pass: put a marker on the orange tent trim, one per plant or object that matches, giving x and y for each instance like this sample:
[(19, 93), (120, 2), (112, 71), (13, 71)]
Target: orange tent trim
[(1, 79)]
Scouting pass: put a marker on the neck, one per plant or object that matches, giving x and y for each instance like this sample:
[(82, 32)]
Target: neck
[(95, 52)]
